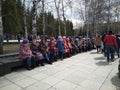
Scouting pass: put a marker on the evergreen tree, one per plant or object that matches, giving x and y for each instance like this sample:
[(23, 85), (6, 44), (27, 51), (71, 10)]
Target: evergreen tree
[(11, 18)]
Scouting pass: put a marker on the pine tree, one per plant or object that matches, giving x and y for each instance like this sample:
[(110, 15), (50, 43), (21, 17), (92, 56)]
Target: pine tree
[(11, 17)]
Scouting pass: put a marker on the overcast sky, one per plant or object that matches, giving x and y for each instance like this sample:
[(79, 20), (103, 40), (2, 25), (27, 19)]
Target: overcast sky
[(71, 14)]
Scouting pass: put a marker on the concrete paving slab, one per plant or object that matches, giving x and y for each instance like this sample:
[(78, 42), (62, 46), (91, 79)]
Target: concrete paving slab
[(64, 85), (10, 87), (39, 86), (84, 71)]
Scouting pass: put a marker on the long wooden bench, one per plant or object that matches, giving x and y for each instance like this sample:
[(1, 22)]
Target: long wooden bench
[(9, 61)]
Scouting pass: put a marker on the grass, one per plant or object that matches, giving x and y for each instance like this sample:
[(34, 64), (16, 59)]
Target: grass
[(10, 48)]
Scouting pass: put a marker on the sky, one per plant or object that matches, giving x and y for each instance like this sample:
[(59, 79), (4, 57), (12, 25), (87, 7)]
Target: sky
[(70, 14)]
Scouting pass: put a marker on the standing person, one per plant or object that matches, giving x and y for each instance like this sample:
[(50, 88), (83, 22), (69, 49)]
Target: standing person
[(118, 41), (110, 42), (60, 46), (26, 54), (18, 38), (35, 51), (104, 46), (98, 43)]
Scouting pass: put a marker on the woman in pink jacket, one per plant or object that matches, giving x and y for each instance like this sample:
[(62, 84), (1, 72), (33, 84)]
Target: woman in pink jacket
[(26, 54)]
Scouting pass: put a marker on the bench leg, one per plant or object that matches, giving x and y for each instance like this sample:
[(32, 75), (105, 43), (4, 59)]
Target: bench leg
[(1, 70), (7, 69)]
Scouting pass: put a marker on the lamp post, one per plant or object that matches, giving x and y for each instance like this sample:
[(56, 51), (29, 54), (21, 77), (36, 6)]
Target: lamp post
[(1, 30)]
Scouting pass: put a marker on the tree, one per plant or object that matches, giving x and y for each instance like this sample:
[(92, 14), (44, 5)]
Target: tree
[(1, 31), (11, 17), (57, 6)]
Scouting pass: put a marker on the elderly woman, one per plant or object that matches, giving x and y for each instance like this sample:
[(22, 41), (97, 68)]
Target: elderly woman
[(53, 50), (43, 48), (26, 54), (35, 51)]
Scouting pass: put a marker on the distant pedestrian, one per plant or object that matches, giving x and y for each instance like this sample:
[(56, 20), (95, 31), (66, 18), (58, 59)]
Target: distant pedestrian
[(104, 46), (118, 41), (98, 43), (111, 43), (18, 38)]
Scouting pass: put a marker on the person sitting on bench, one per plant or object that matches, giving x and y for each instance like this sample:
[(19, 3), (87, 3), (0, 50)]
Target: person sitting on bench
[(26, 54), (35, 51)]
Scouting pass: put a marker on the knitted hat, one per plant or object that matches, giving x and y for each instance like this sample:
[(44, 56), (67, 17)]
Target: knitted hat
[(25, 41)]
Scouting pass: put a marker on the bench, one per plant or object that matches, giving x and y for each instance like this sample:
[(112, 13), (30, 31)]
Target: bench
[(9, 61)]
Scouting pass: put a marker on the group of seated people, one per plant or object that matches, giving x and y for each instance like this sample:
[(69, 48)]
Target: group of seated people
[(39, 52)]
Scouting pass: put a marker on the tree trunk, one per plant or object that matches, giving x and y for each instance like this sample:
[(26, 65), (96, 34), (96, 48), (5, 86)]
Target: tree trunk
[(25, 23), (34, 32), (43, 12), (1, 31)]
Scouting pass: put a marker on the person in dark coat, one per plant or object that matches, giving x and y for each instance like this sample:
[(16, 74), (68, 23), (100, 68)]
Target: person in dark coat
[(44, 49), (118, 42), (35, 51)]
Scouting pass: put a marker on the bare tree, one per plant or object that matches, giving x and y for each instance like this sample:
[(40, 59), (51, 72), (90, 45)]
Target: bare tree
[(34, 10), (43, 12), (57, 6), (25, 22), (64, 6)]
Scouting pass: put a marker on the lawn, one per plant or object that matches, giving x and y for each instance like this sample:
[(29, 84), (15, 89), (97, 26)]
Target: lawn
[(10, 48)]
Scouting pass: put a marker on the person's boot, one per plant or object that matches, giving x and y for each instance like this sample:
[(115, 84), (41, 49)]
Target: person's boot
[(41, 63), (29, 68), (49, 62)]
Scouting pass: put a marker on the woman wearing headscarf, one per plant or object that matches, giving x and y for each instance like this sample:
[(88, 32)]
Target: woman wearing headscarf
[(35, 51), (26, 54)]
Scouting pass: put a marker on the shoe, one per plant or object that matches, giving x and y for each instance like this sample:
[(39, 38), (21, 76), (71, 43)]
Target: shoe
[(61, 59), (49, 62), (42, 64), (37, 65), (29, 68)]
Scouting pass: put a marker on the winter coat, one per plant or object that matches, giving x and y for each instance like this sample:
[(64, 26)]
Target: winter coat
[(43, 48), (98, 41), (60, 46), (66, 46), (111, 40), (35, 50), (52, 47), (24, 51)]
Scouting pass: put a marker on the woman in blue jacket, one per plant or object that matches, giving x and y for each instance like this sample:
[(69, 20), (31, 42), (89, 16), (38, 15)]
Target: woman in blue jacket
[(60, 46)]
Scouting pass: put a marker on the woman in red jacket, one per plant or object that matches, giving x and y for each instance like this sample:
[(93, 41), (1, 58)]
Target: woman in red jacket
[(53, 50)]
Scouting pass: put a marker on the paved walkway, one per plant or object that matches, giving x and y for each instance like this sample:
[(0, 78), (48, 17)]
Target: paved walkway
[(85, 71)]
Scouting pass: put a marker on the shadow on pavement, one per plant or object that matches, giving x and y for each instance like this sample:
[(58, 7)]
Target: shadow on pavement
[(93, 53), (102, 63), (100, 58), (116, 81)]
